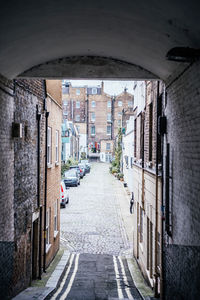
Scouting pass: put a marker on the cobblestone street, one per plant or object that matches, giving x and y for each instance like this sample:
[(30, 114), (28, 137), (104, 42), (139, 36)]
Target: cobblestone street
[(91, 222)]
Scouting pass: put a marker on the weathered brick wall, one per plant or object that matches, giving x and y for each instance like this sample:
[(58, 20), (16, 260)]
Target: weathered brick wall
[(18, 180), (6, 186), (181, 252)]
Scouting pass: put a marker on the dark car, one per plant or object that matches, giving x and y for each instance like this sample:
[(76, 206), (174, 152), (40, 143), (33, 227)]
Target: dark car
[(85, 166), (80, 171), (71, 178)]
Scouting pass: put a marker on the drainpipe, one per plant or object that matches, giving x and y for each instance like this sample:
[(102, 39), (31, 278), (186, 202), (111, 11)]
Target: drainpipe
[(156, 208), (87, 122), (162, 283), (45, 193), (38, 191)]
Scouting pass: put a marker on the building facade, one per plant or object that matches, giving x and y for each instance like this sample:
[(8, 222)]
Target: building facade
[(52, 205), (97, 116)]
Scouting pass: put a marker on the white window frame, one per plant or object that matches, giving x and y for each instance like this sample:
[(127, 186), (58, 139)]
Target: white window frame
[(108, 133), (48, 227), (78, 104), (93, 126), (130, 103), (109, 103), (49, 138), (78, 92), (93, 103), (93, 117), (108, 148), (120, 103), (94, 91), (56, 216), (77, 119), (109, 117), (57, 146)]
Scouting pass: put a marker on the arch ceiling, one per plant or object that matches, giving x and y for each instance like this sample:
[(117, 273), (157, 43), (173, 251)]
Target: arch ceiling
[(65, 38)]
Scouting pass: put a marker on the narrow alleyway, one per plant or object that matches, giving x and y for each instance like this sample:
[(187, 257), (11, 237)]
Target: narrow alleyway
[(93, 231)]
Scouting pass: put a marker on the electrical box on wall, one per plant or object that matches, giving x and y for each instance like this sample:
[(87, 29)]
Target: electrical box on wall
[(17, 130)]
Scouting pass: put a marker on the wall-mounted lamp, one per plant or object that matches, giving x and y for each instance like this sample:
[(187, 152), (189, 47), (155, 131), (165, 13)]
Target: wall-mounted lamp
[(183, 54)]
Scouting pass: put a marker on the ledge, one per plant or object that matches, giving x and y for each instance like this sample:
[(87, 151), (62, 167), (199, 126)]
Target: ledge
[(49, 166), (57, 164)]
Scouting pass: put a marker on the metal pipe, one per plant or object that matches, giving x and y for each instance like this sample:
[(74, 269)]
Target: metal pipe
[(162, 286), (156, 207), (45, 193)]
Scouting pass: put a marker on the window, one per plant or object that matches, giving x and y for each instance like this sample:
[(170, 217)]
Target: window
[(77, 118), (92, 130), (49, 145), (65, 113), (57, 140), (108, 129), (109, 103), (78, 92), (65, 102), (119, 123), (78, 128), (141, 224), (119, 103), (94, 91), (109, 117), (93, 117), (48, 226), (107, 146), (77, 104), (130, 103), (119, 114), (93, 104), (150, 130), (56, 216)]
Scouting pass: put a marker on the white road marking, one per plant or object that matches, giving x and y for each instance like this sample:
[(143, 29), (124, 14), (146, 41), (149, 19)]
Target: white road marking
[(119, 290), (64, 278), (64, 296), (125, 279)]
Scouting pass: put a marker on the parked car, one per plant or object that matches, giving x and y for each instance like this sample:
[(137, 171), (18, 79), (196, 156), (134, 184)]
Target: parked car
[(83, 168), (64, 194), (80, 170), (86, 165), (71, 178)]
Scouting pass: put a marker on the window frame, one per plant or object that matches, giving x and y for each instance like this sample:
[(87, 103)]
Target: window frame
[(107, 146), (78, 92), (78, 104), (108, 126), (93, 117), (109, 103), (93, 127), (49, 145), (48, 214), (57, 147), (109, 119), (119, 101), (56, 216), (93, 103), (77, 118)]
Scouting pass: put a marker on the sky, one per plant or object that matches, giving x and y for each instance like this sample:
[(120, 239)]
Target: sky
[(110, 87)]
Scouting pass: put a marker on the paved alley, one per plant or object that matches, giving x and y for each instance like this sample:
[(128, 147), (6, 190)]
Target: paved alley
[(93, 231)]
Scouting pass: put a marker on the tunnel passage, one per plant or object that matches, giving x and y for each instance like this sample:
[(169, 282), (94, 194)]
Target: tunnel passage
[(130, 41)]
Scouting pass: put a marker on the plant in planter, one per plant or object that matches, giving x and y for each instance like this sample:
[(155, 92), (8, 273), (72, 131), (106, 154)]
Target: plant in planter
[(120, 176)]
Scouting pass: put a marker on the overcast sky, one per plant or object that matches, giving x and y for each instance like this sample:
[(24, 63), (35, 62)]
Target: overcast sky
[(110, 87)]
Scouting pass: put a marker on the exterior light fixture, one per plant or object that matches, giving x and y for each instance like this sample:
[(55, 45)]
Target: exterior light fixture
[(183, 54)]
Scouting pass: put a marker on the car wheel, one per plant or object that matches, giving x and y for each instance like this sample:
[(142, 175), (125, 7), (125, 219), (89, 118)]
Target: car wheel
[(67, 200), (64, 205)]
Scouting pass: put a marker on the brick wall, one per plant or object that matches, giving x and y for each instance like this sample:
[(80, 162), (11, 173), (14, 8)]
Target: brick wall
[(19, 180), (181, 252), (6, 186)]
